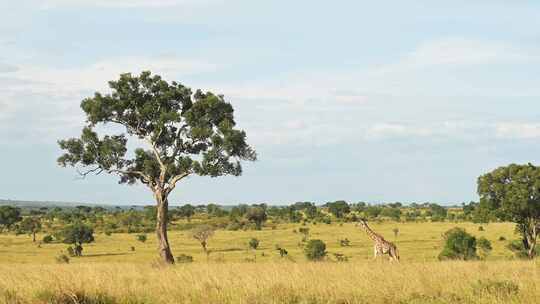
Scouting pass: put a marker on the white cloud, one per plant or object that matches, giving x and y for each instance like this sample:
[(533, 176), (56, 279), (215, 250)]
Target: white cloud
[(460, 51), (518, 130), (74, 80)]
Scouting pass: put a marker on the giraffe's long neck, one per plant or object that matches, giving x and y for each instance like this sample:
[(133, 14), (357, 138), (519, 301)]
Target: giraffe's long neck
[(372, 235)]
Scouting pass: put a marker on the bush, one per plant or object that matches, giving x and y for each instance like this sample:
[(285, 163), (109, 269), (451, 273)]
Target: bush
[(480, 228), (253, 243), (502, 238), (184, 258), (459, 245), (234, 226), (485, 246), (305, 232), (142, 238), (62, 259), (344, 242), (71, 251), (500, 289), (282, 251), (340, 257), (48, 239), (315, 250), (519, 250)]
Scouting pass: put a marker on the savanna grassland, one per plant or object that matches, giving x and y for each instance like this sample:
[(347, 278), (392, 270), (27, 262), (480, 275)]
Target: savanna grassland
[(111, 272)]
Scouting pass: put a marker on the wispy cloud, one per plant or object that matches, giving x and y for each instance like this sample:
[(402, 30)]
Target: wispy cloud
[(518, 130), (123, 3)]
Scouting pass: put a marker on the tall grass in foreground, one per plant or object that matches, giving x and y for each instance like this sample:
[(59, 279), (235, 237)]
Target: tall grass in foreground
[(377, 282)]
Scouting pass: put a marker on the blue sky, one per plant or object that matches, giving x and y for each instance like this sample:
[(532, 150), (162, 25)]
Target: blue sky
[(389, 101)]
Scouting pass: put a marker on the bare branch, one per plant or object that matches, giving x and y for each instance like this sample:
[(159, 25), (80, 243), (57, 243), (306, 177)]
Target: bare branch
[(174, 180)]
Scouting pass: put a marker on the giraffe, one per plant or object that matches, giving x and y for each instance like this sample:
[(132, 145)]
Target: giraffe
[(381, 246)]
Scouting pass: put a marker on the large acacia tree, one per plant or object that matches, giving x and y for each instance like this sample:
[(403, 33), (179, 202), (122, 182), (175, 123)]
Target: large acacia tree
[(178, 133), (513, 193)]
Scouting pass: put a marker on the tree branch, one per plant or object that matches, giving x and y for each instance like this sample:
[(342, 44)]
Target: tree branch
[(174, 180)]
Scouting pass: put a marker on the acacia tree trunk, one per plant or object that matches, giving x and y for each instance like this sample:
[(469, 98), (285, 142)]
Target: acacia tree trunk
[(33, 236), (161, 227), (531, 237)]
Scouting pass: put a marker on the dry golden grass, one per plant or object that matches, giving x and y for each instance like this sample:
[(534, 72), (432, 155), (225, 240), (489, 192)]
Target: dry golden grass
[(324, 282), (417, 242), (111, 273)]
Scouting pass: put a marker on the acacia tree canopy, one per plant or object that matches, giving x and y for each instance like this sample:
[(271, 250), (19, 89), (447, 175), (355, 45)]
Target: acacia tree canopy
[(177, 133), (513, 193)]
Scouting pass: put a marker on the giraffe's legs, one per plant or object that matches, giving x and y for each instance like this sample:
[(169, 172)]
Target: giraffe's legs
[(375, 252)]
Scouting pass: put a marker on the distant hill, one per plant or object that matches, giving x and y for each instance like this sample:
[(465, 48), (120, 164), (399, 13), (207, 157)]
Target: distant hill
[(49, 204)]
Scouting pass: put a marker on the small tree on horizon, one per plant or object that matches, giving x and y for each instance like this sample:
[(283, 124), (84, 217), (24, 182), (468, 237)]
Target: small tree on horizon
[(178, 133), (202, 234), (31, 225), (9, 216), (78, 234)]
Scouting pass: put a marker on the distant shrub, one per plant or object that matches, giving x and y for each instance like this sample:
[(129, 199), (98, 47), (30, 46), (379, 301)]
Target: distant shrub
[(484, 245), (253, 243), (184, 258), (108, 232), (459, 245), (71, 251), (282, 251), (395, 231), (326, 220), (305, 232), (62, 259), (233, 226), (344, 242), (480, 228), (142, 238), (48, 239), (340, 257), (502, 238), (315, 250), (132, 248), (519, 250), (500, 289)]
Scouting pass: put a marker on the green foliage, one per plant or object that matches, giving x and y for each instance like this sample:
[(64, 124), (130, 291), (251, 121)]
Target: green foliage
[(48, 239), (519, 249), (175, 121), (393, 213), (30, 225), (142, 238), (9, 216), (513, 193), (253, 243), (338, 208), (315, 250), (186, 211), (459, 245)]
